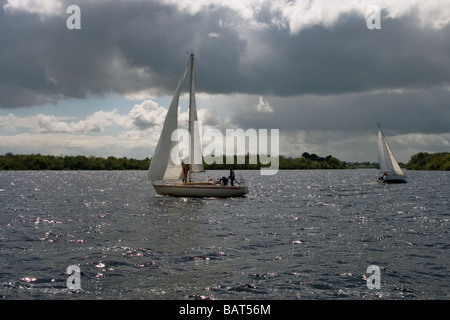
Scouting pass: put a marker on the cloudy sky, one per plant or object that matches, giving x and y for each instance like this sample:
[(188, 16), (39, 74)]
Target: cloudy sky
[(312, 69)]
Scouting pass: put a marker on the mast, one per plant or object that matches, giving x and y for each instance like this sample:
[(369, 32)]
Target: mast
[(195, 154), (191, 115)]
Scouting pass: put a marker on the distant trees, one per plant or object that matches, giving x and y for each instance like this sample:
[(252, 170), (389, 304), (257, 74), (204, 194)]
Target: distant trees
[(427, 161), (10, 161), (310, 161), (307, 161), (364, 165)]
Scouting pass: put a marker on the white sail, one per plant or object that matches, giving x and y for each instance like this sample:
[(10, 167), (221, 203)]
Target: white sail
[(388, 163), (162, 166), (196, 160)]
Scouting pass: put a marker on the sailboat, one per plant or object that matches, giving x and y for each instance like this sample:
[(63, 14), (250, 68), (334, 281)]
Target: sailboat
[(166, 168), (391, 171)]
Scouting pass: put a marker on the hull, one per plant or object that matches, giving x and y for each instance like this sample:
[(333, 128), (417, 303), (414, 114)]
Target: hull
[(393, 178), (200, 190)]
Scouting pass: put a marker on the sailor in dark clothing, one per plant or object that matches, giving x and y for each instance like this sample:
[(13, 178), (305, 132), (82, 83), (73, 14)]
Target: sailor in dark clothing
[(185, 173), (231, 177), (223, 181)]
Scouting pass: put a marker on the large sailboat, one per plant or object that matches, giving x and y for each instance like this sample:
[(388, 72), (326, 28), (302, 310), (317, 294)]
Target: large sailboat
[(166, 168), (389, 167)]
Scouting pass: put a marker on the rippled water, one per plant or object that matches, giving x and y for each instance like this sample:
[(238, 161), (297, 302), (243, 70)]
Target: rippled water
[(297, 235)]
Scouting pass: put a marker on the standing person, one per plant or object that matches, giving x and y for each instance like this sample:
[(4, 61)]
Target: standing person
[(185, 171), (231, 177)]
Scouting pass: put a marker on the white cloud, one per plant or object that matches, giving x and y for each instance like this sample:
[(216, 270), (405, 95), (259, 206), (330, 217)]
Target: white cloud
[(42, 7), (147, 114), (264, 106), (96, 122), (133, 135), (295, 14), (42, 123), (11, 123), (214, 35), (300, 14), (303, 14), (75, 144)]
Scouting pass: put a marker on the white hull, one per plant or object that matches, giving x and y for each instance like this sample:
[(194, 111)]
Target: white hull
[(392, 178), (200, 190)]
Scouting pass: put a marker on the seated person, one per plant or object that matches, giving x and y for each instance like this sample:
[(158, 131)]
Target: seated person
[(223, 181)]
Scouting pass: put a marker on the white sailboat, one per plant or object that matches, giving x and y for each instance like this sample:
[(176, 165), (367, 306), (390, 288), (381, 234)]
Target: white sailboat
[(389, 167), (166, 169)]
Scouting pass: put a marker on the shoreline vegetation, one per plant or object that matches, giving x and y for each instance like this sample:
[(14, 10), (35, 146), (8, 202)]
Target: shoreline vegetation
[(9, 161), (429, 161)]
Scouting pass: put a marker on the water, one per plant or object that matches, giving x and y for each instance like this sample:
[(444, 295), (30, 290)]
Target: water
[(297, 235)]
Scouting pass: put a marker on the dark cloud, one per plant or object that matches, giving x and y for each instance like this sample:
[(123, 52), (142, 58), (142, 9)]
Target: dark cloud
[(400, 112), (122, 47), (351, 58), (128, 46)]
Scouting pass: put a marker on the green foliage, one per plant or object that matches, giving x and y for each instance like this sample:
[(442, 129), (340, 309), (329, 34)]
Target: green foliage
[(10, 161), (363, 165), (427, 161), (310, 161)]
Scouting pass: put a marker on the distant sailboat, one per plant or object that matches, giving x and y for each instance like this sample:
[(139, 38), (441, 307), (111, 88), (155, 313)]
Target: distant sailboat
[(164, 171), (389, 167)]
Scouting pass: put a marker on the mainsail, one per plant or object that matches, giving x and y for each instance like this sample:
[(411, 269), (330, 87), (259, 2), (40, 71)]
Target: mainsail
[(166, 162), (388, 163)]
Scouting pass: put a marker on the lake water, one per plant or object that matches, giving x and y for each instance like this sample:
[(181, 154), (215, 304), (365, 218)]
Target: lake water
[(297, 235)]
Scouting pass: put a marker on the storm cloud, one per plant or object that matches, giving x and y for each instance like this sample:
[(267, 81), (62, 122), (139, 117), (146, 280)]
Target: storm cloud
[(131, 46), (123, 47)]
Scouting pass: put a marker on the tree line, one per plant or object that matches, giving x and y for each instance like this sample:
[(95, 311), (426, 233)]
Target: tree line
[(427, 161), (11, 161)]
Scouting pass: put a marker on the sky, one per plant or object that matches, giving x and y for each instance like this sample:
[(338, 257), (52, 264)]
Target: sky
[(322, 72)]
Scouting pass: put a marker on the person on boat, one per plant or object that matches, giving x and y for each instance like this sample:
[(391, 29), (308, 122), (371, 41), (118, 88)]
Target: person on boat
[(383, 177), (231, 177), (223, 181), (185, 171)]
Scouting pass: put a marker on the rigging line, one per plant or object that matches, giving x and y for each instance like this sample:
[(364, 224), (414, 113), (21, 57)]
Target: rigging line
[(210, 98)]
